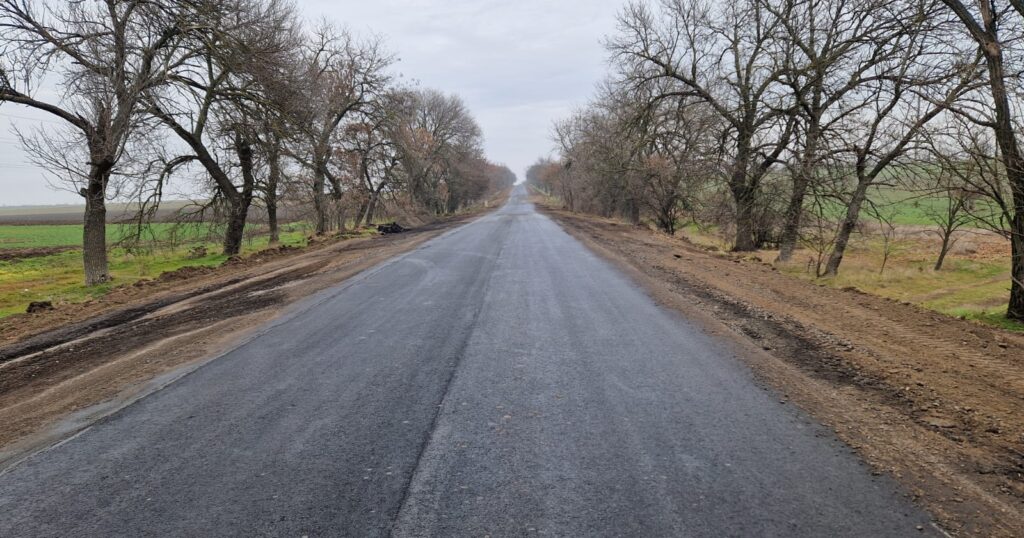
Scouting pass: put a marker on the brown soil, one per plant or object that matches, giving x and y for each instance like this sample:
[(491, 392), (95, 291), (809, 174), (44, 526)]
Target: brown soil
[(62, 369), (934, 401), (13, 254)]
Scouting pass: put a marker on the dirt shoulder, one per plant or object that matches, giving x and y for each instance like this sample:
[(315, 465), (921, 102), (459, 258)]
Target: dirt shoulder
[(10, 254), (934, 401), (60, 370)]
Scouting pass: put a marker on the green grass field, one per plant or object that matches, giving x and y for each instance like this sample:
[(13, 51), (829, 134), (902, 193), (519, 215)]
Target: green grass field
[(907, 208), (910, 209), (42, 236), (70, 235), (59, 277)]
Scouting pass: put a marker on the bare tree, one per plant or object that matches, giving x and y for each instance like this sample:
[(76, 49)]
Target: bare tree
[(271, 145), (575, 160), (211, 106), (371, 147), (273, 128), (820, 236), (953, 212), (883, 137), (886, 216), (834, 48), (343, 76), (543, 175), (971, 177), (638, 157), (996, 27), (108, 54), (726, 55), (437, 135)]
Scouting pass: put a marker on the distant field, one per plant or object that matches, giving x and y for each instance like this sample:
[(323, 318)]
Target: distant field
[(906, 208), (70, 235), (71, 214), (116, 212), (41, 236)]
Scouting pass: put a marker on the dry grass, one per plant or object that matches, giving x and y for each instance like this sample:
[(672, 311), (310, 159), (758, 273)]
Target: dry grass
[(974, 282)]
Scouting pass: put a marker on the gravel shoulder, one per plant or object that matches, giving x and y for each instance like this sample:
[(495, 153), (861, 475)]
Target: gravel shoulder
[(933, 401)]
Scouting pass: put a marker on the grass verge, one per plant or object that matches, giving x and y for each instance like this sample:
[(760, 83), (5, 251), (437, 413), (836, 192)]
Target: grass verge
[(59, 277), (973, 283)]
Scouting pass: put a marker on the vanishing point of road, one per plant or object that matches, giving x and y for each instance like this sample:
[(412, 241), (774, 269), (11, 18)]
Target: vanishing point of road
[(500, 380)]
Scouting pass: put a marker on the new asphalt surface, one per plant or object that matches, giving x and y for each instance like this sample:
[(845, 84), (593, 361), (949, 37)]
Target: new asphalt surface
[(500, 380)]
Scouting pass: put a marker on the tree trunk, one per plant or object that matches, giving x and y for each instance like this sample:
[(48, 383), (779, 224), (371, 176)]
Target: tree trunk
[(794, 213), (943, 252), (340, 213), (801, 181), (235, 233), (743, 196), (319, 201), (633, 212), (94, 236), (846, 228), (1013, 161), (942, 257), (364, 206), (568, 201), (666, 214), (240, 202), (270, 195), (1016, 307), (371, 208), (275, 233), (666, 222)]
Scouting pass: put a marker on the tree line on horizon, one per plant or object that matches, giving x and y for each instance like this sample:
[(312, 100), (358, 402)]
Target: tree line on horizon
[(779, 119), (243, 101)]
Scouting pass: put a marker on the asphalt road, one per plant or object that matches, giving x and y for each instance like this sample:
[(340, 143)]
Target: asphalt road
[(500, 380)]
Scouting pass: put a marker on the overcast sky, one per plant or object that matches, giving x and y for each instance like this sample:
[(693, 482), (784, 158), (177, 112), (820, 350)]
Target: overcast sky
[(518, 64)]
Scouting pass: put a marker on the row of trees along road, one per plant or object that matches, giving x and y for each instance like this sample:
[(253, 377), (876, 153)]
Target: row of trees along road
[(239, 97), (771, 117)]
